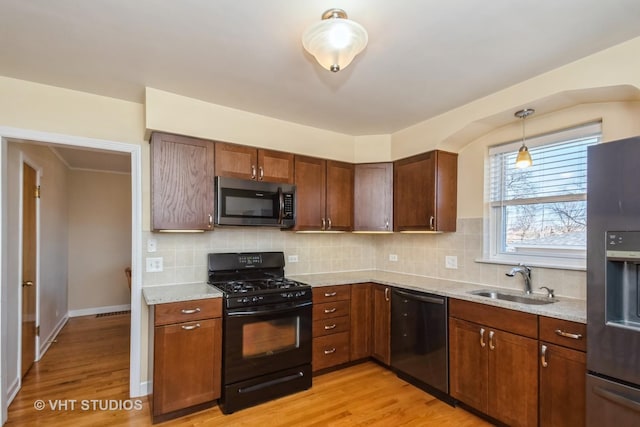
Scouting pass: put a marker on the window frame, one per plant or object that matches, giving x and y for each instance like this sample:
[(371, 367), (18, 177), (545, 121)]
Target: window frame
[(565, 258)]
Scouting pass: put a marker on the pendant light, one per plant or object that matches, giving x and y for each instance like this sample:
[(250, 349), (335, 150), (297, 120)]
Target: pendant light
[(335, 40), (524, 158)]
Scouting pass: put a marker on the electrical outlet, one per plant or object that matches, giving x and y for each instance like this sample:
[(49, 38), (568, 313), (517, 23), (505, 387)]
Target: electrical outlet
[(451, 261), (154, 265), (152, 245), (292, 258), (393, 257)]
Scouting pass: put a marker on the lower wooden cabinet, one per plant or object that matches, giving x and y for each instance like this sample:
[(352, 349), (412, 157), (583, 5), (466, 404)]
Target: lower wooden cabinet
[(331, 326), (563, 369), (187, 357), (362, 314), (381, 336), (493, 370)]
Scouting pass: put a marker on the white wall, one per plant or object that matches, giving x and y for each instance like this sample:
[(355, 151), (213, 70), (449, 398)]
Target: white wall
[(99, 240), (52, 285)]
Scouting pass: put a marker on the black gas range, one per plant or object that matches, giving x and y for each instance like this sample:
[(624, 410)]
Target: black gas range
[(266, 328), (256, 278)]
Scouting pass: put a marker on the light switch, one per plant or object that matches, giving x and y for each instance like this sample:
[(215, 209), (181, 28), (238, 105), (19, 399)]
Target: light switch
[(152, 245)]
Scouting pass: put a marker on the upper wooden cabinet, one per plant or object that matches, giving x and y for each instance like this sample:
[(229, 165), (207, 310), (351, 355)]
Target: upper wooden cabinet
[(240, 161), (373, 197), (324, 194), (425, 192), (181, 183)]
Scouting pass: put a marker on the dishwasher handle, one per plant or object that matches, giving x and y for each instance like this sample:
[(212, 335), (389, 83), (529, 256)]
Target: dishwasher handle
[(423, 298)]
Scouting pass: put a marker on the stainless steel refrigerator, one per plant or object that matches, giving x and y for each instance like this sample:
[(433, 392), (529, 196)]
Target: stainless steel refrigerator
[(613, 280)]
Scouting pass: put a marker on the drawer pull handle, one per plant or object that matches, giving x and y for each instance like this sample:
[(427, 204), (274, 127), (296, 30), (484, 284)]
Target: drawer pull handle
[(491, 346), (328, 327), (333, 350), (190, 327), (543, 356), (190, 311), (482, 343), (568, 334), (330, 294), (329, 310)]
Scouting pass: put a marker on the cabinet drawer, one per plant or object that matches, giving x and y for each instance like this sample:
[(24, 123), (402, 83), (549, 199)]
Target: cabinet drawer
[(186, 311), (563, 332), (330, 310), (331, 293), (331, 326), (330, 350), (514, 321)]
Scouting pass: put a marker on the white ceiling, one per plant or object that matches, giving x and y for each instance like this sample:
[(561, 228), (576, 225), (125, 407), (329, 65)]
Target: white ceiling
[(424, 57)]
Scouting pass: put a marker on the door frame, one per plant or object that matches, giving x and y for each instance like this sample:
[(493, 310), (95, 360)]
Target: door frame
[(26, 160), (136, 386)]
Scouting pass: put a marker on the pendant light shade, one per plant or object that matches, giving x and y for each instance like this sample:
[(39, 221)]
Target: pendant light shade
[(335, 40), (524, 158)]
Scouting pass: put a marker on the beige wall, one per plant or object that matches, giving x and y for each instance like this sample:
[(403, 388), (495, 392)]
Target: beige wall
[(99, 239)]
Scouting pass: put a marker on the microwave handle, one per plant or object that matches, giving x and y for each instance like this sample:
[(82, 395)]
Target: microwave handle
[(281, 205)]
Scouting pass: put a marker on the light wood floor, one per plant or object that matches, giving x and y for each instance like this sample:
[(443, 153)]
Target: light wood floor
[(90, 362)]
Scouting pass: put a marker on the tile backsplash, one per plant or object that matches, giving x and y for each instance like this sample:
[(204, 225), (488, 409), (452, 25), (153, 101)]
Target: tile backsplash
[(185, 255)]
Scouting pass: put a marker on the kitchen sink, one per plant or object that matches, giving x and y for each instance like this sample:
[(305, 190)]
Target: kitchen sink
[(519, 298)]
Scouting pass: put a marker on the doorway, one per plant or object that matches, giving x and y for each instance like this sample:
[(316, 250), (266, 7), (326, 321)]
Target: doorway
[(11, 375), (28, 333)]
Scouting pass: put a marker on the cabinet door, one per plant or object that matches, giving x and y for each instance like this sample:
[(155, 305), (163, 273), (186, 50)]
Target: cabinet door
[(339, 209), (468, 363), (187, 365), (414, 192), (373, 197), (275, 166), (425, 192), (382, 324), (513, 379), (361, 320), (310, 180), (236, 161), (562, 386), (181, 183)]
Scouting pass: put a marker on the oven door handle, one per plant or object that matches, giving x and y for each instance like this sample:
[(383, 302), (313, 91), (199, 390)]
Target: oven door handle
[(268, 310)]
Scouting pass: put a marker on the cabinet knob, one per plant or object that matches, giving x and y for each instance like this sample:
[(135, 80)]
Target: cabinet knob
[(330, 294), (329, 327), (432, 222), (482, 343), (190, 311), (568, 334), (253, 171), (330, 310), (261, 173), (543, 356), (28, 283), (333, 350), (491, 346), (329, 223), (190, 327), (323, 223)]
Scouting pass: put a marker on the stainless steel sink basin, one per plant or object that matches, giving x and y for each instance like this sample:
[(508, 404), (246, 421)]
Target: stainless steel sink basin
[(522, 299)]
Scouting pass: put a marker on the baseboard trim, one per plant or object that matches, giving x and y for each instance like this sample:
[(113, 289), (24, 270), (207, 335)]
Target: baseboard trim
[(46, 343), (12, 390), (99, 310)]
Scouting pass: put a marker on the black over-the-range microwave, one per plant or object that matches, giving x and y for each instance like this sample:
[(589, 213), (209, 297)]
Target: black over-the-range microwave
[(249, 202)]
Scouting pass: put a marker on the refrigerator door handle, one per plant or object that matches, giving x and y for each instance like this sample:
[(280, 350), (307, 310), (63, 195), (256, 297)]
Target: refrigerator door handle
[(614, 397)]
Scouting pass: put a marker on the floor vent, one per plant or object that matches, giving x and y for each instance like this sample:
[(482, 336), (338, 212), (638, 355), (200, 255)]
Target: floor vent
[(113, 313)]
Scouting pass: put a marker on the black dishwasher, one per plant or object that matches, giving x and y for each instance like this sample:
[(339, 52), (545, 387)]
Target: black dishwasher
[(419, 345)]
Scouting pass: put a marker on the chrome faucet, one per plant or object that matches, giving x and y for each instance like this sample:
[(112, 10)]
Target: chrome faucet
[(526, 273)]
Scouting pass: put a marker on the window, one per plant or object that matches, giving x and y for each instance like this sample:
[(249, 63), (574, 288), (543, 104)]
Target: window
[(539, 214)]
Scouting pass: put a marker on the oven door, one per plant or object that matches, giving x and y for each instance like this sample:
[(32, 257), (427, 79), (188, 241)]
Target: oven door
[(267, 339)]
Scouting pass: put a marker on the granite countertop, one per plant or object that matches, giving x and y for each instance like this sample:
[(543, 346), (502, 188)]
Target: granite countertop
[(565, 308), (180, 292)]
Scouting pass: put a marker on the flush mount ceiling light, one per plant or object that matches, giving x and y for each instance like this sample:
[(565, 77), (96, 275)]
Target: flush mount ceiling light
[(524, 158), (335, 40)]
